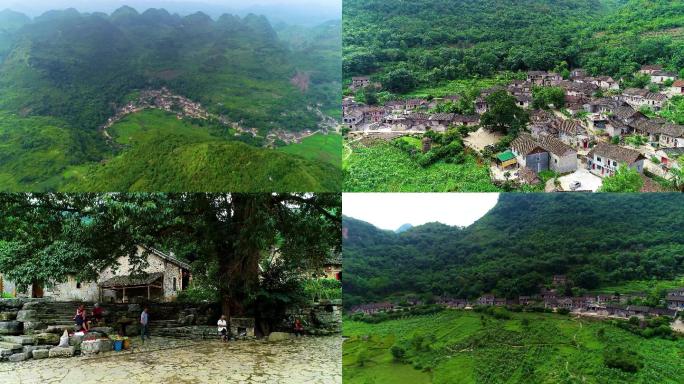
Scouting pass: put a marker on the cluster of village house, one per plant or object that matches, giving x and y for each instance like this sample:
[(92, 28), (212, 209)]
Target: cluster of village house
[(602, 305), (163, 99), (555, 141), (162, 280)]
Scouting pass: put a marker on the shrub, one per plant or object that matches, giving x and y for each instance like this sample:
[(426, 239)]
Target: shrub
[(563, 311), (398, 352), (198, 295), (622, 359)]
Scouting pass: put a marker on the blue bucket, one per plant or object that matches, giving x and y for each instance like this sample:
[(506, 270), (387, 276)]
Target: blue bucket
[(118, 345)]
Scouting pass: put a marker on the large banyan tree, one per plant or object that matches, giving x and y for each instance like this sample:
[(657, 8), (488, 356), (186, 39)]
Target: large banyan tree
[(230, 239)]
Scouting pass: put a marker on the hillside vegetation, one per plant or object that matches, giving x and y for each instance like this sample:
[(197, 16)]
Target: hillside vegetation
[(597, 240), (167, 154), (421, 43), (63, 74), (459, 347)]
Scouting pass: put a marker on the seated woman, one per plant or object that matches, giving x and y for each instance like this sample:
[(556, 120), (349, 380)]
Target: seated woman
[(298, 328), (97, 316), (80, 319), (223, 328)]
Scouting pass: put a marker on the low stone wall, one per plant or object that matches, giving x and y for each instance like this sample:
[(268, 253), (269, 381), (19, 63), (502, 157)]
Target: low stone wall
[(322, 318)]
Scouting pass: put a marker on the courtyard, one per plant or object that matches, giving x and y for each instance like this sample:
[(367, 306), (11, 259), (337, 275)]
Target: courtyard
[(301, 360)]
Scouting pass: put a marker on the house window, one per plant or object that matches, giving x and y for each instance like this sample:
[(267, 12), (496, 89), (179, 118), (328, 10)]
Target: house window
[(614, 163), (78, 285), (174, 284), (598, 159)]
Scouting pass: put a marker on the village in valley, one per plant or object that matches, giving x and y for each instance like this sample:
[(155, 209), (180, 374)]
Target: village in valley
[(184, 108), (555, 298), (600, 127)]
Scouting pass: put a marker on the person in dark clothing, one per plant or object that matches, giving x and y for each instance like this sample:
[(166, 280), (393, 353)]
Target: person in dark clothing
[(144, 321)]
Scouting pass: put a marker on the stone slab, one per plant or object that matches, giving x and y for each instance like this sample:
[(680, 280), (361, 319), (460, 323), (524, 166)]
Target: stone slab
[(40, 353), (96, 346), (46, 338), (27, 315), (19, 357), (23, 340), (7, 316), (61, 352), (11, 327)]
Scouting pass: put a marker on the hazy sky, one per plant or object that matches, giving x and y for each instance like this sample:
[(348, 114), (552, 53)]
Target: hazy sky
[(287, 10), (391, 210)]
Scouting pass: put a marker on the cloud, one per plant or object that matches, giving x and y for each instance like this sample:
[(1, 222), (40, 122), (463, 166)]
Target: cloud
[(391, 210)]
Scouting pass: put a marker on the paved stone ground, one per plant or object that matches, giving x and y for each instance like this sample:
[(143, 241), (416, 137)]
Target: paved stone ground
[(305, 360)]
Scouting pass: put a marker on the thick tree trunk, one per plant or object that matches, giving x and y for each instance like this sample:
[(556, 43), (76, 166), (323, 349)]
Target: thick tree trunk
[(239, 255)]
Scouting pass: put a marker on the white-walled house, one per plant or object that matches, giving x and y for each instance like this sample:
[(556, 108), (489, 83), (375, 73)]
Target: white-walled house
[(605, 159)]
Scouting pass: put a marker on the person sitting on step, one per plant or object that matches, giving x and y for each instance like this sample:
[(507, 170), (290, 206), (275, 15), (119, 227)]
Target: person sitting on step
[(80, 319)]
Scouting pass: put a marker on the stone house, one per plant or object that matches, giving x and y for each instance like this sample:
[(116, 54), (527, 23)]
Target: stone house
[(544, 78), (372, 308), (332, 268), (565, 303), (572, 133), (353, 118), (530, 154), (373, 115), (669, 157), (608, 83), (637, 310), (604, 159), (659, 77), (162, 280), (675, 299), (359, 82), (416, 103), (671, 136), (650, 69), (467, 120), (562, 157), (638, 98), (485, 300), (677, 88)]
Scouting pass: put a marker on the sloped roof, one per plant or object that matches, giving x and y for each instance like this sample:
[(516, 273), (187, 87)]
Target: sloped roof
[(615, 152), (678, 83), (525, 144), (555, 146), (131, 280), (672, 130)]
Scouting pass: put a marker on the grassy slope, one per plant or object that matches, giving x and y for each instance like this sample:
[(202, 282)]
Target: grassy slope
[(551, 349), (33, 152), (171, 155), (382, 167), (318, 147)]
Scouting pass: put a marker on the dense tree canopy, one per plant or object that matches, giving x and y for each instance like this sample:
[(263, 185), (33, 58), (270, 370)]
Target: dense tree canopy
[(441, 40), (595, 239), (227, 238)]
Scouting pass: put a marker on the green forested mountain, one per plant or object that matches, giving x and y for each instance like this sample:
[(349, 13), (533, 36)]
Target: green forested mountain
[(428, 41), (63, 74), (525, 239)]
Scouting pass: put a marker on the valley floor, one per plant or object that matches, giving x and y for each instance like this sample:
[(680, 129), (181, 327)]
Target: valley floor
[(466, 347)]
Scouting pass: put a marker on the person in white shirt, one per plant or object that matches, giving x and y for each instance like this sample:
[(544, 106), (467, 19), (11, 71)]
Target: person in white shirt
[(223, 328)]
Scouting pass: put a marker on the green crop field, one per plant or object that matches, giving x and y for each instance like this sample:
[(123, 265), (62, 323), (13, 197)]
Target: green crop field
[(318, 147), (382, 167), (468, 347)]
